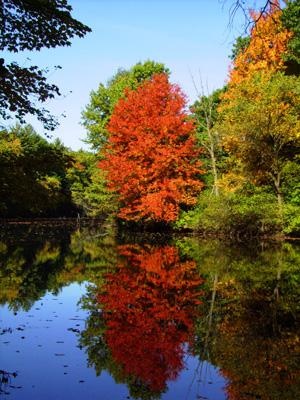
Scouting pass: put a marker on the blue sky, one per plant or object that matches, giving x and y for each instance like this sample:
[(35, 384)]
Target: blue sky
[(191, 37)]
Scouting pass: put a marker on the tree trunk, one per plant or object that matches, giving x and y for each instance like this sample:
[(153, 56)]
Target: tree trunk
[(277, 184), (210, 315), (215, 173)]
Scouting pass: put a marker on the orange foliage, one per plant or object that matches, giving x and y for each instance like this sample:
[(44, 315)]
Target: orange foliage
[(151, 158), (149, 307), (268, 44)]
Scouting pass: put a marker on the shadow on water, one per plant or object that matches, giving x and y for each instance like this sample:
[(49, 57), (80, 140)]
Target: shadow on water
[(170, 318)]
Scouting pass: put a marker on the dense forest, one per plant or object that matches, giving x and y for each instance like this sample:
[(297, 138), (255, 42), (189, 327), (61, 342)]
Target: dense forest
[(229, 163)]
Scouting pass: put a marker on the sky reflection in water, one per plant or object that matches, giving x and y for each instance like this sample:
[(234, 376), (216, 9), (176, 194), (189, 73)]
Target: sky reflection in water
[(86, 316), (44, 350)]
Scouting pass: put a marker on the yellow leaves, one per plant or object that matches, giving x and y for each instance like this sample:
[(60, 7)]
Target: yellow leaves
[(260, 125), (3, 248), (231, 181), (79, 166), (13, 145), (47, 253), (51, 183)]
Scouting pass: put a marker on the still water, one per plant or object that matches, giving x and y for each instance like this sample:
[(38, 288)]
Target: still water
[(86, 313)]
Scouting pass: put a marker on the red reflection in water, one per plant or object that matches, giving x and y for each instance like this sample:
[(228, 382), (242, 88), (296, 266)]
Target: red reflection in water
[(149, 306)]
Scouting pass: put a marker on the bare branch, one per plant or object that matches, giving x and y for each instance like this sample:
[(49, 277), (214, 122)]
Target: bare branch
[(244, 6)]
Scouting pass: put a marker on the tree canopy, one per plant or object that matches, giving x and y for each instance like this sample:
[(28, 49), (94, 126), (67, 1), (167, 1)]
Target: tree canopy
[(97, 113), (32, 25), (266, 49), (151, 157), (274, 39), (261, 125), (33, 178), (260, 108)]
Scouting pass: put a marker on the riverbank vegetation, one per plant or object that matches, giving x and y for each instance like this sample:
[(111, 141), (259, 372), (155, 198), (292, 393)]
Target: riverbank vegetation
[(228, 164)]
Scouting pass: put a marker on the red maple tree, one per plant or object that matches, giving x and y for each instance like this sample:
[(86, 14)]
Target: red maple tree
[(149, 307), (151, 158)]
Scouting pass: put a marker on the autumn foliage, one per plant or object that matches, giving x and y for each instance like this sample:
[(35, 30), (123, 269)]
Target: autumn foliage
[(149, 306), (268, 44), (257, 362), (151, 158)]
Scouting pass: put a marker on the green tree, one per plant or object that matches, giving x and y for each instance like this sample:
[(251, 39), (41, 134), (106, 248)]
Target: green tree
[(290, 18), (88, 185), (244, 214), (32, 25), (239, 46), (97, 113), (33, 175)]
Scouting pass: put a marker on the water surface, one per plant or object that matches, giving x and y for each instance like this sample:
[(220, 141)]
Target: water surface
[(85, 314)]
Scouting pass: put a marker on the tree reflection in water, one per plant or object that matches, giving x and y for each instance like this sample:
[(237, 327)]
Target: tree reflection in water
[(149, 306), (35, 259), (146, 303), (250, 323)]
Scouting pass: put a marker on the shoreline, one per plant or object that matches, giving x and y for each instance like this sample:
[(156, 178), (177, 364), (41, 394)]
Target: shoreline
[(143, 230)]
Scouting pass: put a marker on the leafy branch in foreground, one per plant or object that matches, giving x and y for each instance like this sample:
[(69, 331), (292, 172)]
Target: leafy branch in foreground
[(32, 25)]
